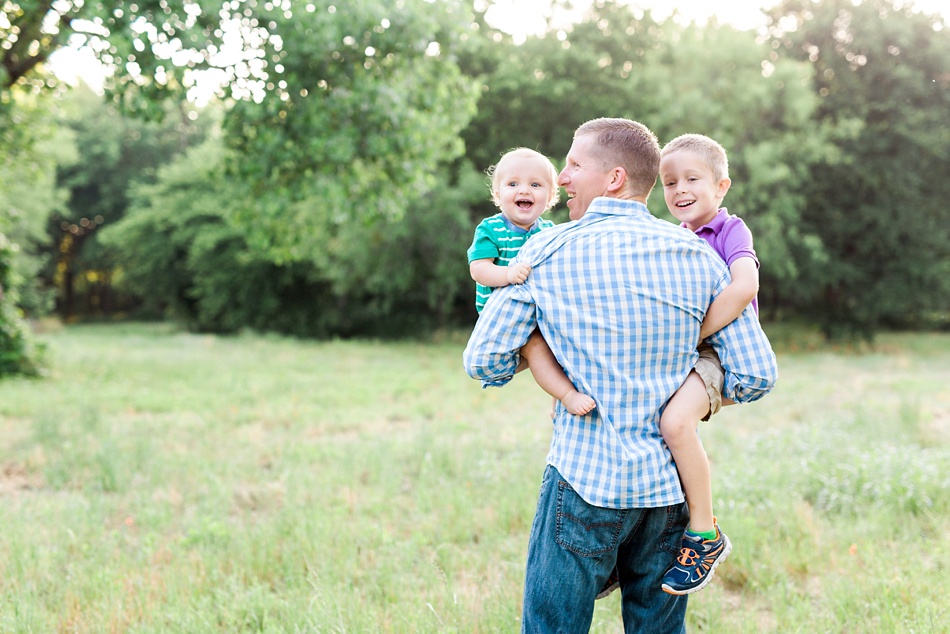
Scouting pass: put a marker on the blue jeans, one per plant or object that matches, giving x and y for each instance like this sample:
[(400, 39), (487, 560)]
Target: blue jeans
[(573, 549)]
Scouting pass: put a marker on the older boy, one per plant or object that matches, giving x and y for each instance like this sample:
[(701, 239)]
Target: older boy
[(694, 172)]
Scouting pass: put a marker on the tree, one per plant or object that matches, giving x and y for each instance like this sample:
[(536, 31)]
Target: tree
[(27, 196), (19, 351), (180, 250), (151, 48), (337, 114), (116, 152), (874, 203), (676, 78), (153, 243), (536, 93), (718, 81), (367, 103)]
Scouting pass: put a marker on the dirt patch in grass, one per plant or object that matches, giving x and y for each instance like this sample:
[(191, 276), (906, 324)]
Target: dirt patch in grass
[(15, 477)]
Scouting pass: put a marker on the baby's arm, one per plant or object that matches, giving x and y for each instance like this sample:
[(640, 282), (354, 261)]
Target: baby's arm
[(734, 298), (487, 273)]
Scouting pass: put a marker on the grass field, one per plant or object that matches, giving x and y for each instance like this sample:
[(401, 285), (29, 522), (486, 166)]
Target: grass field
[(160, 481)]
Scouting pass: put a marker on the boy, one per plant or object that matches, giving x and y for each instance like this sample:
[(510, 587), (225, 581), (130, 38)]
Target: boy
[(523, 186), (694, 172)]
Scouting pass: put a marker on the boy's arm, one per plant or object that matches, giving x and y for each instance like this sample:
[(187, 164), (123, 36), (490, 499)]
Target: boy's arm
[(487, 273), (730, 303), (746, 355)]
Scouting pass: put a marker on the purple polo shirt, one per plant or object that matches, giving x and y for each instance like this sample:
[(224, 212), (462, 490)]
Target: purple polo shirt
[(729, 236)]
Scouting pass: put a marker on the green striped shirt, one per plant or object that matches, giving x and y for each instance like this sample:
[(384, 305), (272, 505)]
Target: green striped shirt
[(497, 239)]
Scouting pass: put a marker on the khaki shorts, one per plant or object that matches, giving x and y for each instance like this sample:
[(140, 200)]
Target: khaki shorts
[(710, 369)]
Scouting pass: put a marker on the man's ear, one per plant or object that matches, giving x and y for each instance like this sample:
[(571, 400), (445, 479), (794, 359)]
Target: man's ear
[(618, 179)]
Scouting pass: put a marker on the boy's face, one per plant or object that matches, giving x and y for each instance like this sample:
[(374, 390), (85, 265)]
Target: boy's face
[(692, 193), (524, 190), (583, 176)]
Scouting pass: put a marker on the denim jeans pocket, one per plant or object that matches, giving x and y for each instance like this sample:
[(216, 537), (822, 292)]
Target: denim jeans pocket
[(677, 519), (584, 529)]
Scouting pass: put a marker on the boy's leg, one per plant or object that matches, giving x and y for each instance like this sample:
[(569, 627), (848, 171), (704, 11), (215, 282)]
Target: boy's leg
[(547, 372), (702, 549), (678, 423)]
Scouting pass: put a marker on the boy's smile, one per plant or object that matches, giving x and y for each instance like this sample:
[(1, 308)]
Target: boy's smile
[(692, 193)]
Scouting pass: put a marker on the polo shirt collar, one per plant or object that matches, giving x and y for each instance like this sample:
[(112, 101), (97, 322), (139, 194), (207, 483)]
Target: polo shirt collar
[(715, 225), (515, 228)]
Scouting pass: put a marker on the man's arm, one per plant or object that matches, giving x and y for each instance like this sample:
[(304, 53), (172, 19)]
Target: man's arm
[(493, 353)]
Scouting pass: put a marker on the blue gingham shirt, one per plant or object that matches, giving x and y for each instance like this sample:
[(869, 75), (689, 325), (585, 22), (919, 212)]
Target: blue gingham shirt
[(619, 296)]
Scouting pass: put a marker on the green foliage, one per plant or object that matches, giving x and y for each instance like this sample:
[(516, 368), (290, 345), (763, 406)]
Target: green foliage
[(28, 196), (180, 250), (116, 153), (880, 76), (341, 194), (409, 274), (151, 47), (365, 103), (19, 351), (535, 94), (314, 219), (151, 244)]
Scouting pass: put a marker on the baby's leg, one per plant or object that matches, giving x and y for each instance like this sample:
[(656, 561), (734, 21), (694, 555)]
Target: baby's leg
[(678, 424), (550, 376)]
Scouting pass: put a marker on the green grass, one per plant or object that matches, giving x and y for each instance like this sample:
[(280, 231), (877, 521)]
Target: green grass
[(160, 481)]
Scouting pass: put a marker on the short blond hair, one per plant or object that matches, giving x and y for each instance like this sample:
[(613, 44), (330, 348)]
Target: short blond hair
[(495, 173), (627, 144), (707, 149)]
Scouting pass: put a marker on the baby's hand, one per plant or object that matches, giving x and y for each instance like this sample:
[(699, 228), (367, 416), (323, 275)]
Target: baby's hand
[(518, 273)]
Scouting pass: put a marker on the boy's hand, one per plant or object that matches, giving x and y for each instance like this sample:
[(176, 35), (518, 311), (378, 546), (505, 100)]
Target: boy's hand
[(518, 273)]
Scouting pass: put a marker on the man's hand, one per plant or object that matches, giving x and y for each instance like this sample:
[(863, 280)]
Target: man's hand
[(518, 272)]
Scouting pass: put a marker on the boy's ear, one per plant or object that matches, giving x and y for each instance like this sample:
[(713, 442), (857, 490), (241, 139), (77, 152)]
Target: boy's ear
[(724, 185)]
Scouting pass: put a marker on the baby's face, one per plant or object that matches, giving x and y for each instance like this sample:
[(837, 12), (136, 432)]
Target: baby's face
[(693, 195), (524, 190)]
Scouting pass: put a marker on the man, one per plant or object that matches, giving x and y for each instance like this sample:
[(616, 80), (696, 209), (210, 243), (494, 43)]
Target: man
[(619, 297)]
